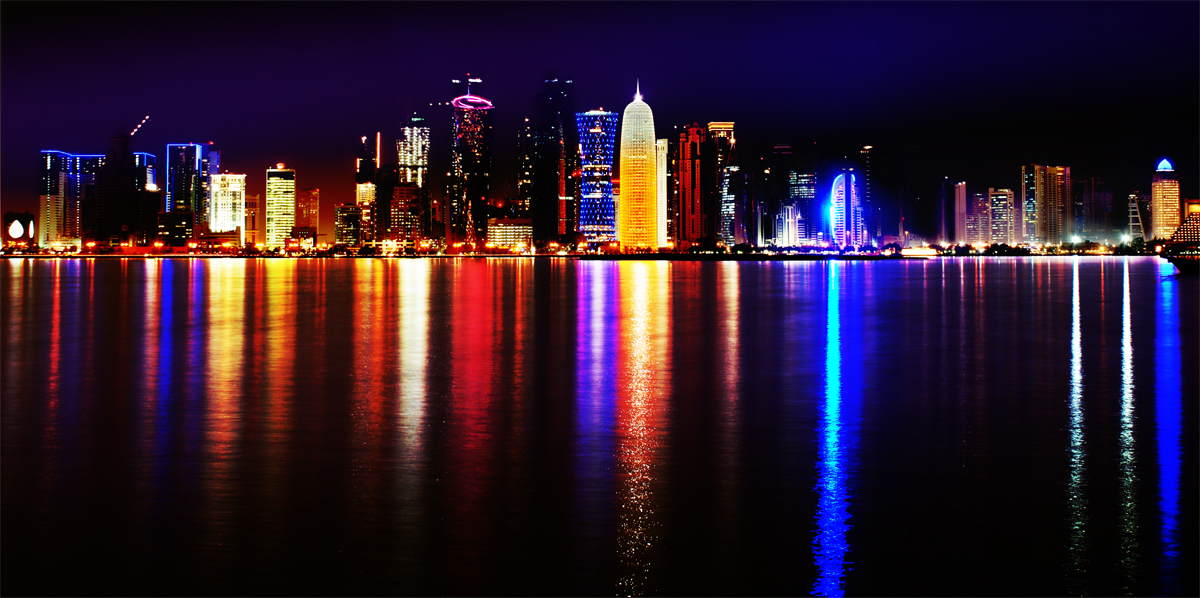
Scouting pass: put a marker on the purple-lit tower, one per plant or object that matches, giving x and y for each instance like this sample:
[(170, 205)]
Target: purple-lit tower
[(597, 139), (471, 162)]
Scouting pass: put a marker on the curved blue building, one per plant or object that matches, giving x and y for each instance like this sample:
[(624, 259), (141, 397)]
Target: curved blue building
[(597, 139)]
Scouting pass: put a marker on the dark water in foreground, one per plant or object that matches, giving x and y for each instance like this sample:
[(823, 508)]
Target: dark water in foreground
[(955, 426)]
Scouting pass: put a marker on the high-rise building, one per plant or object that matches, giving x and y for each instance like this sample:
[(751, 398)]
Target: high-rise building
[(662, 152), (527, 157), (112, 217), (227, 204), (308, 208), (347, 221), (597, 131), (719, 205), (1047, 196), (412, 152), (961, 212), (1164, 201), (692, 182), (871, 213), (471, 163), (638, 212), (557, 169), (1002, 216), (189, 166), (281, 204), (1094, 204), (845, 210), (366, 167), (254, 232), (54, 196), (979, 223)]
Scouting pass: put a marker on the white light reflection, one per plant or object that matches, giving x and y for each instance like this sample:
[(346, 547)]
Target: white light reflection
[(1076, 500), (1129, 516), (412, 342)]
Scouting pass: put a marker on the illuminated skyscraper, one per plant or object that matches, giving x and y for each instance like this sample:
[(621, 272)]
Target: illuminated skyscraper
[(308, 208), (597, 138), (557, 168), (1047, 198), (662, 158), (1164, 201), (845, 210), (281, 204), (471, 162), (366, 165), (254, 219), (347, 221), (54, 196), (692, 182), (412, 152), (189, 166), (1002, 207), (979, 223), (227, 204), (527, 157), (638, 214), (718, 205), (961, 211), (871, 213)]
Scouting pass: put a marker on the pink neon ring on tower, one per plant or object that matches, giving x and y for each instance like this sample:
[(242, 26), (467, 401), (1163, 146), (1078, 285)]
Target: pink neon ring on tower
[(470, 102)]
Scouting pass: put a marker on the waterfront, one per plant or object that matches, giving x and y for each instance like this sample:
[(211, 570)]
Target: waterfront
[(470, 426)]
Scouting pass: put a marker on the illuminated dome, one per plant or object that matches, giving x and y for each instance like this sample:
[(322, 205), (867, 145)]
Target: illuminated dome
[(16, 231), (470, 102), (1165, 165), (637, 213)]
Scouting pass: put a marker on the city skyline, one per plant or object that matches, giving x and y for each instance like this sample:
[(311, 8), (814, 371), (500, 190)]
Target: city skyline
[(1107, 135)]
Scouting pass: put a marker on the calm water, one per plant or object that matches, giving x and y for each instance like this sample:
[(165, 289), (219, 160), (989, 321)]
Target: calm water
[(955, 426)]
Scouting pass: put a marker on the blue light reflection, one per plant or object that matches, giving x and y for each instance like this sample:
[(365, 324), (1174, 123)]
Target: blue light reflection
[(1168, 414)]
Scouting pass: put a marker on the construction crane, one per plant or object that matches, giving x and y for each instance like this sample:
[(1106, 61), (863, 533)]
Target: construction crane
[(137, 128)]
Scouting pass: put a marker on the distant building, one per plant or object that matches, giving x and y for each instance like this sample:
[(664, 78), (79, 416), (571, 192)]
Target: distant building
[(638, 214), (1164, 201), (54, 196), (557, 167), (979, 222), (405, 214), (597, 132), (1047, 199), (366, 168), (1189, 231), (189, 166), (227, 204), (254, 219), (1002, 206), (281, 204), (175, 228), (719, 206), (845, 210), (692, 182), (961, 211), (308, 208), (1094, 207), (348, 220), (513, 233)]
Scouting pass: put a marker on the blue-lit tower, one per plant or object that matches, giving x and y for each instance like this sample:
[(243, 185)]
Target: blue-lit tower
[(188, 168), (597, 139), (845, 210)]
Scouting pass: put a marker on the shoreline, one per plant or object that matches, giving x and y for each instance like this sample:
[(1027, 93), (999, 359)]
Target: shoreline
[(585, 257)]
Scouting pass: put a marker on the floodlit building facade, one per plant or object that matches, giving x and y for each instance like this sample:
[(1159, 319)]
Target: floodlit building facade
[(412, 153), (961, 212), (281, 204), (638, 214), (662, 158), (1164, 201), (189, 168), (470, 165), (227, 204), (845, 210), (597, 140), (1001, 204), (1047, 197), (513, 233), (308, 208)]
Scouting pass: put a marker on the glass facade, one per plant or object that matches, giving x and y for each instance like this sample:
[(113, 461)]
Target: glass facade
[(1002, 216), (1164, 202), (281, 204), (597, 140)]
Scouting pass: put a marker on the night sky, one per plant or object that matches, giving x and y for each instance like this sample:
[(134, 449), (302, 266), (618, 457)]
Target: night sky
[(1106, 88)]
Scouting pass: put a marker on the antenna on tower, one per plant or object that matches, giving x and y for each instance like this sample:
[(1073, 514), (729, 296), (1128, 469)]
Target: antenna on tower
[(137, 128)]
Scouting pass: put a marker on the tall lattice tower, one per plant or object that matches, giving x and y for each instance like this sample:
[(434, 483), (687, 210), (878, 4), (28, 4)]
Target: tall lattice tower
[(1136, 231)]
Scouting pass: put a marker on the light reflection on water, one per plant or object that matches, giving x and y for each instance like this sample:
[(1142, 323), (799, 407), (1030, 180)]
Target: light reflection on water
[(427, 426)]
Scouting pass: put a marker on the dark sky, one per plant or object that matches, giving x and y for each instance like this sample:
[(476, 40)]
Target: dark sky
[(1105, 88)]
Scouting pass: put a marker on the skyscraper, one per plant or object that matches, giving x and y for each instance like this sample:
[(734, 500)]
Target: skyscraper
[(557, 169), (366, 165), (979, 223), (845, 210), (597, 131), (412, 152), (1002, 209), (961, 212), (662, 153), (693, 143), (719, 205), (871, 213), (281, 204), (638, 212), (254, 219), (188, 168), (54, 196), (308, 208), (1164, 201), (1047, 191), (471, 163), (1096, 206), (227, 205)]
